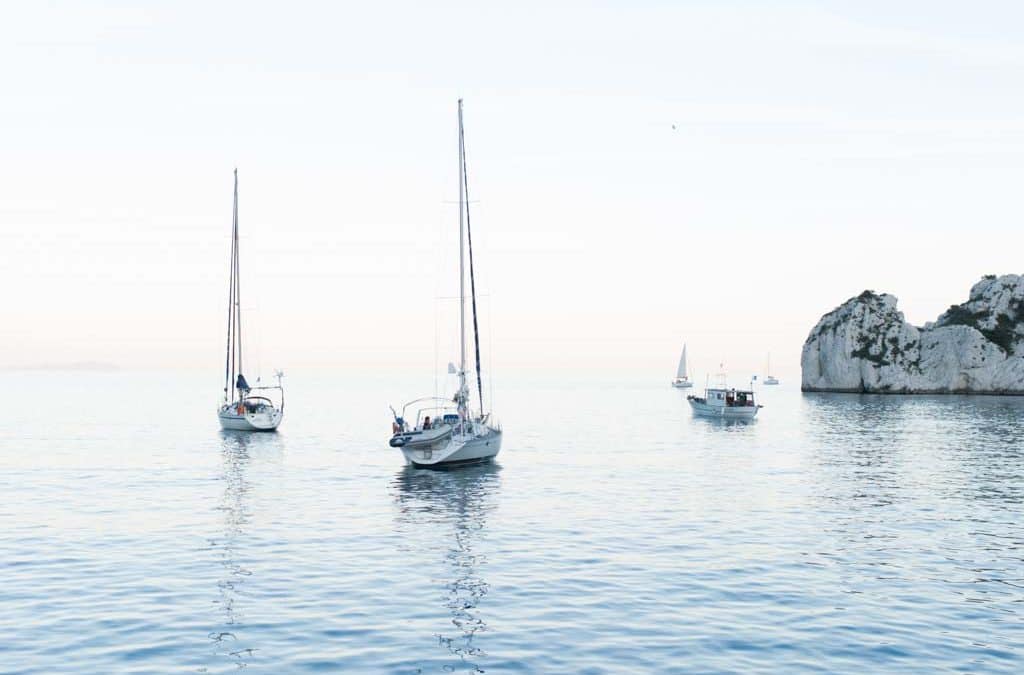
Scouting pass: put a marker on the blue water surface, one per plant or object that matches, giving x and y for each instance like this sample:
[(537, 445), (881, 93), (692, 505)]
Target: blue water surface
[(615, 533)]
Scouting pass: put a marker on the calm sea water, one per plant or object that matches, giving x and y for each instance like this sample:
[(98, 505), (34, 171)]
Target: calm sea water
[(615, 534)]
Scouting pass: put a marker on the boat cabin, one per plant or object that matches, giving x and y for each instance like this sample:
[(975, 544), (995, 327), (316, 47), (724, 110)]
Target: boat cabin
[(728, 398)]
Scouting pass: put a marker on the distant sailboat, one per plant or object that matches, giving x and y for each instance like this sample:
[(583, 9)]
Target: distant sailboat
[(768, 377), (682, 380), (456, 435), (241, 410)]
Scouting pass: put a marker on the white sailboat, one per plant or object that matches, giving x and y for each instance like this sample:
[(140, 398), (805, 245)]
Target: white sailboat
[(768, 377), (241, 408), (682, 380), (457, 434)]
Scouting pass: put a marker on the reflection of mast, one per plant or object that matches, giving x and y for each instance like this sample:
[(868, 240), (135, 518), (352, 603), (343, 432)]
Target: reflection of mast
[(235, 457), (462, 498)]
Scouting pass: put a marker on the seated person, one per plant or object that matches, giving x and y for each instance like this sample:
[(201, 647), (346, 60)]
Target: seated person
[(426, 423)]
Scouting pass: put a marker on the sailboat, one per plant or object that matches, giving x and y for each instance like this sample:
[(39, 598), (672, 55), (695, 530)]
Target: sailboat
[(242, 409), (682, 380), (768, 377), (456, 434)]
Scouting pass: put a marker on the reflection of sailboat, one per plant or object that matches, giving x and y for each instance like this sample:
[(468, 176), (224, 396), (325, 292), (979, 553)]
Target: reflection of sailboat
[(768, 377), (235, 455), (682, 379), (462, 498)]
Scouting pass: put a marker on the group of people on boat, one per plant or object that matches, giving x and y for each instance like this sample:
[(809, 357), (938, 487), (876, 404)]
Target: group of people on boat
[(399, 426), (741, 398)]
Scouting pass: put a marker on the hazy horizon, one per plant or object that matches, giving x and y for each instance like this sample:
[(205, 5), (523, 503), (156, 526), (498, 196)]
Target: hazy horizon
[(719, 174)]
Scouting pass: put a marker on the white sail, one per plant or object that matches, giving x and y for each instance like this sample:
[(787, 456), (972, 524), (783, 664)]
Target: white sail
[(681, 371)]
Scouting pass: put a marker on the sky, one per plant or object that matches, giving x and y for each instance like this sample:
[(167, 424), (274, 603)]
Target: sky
[(642, 174)]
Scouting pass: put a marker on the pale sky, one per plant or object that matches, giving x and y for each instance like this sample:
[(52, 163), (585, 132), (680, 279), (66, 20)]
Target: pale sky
[(820, 148)]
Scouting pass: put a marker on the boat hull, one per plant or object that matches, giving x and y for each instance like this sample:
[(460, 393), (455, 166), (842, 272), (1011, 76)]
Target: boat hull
[(724, 412), (232, 421), (682, 384), (458, 450)]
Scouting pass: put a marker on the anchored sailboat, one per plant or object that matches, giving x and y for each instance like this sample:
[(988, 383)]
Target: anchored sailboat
[(456, 434), (768, 377), (241, 409), (682, 380)]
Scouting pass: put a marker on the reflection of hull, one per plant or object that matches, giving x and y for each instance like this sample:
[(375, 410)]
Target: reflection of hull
[(745, 412), (469, 449), (260, 421)]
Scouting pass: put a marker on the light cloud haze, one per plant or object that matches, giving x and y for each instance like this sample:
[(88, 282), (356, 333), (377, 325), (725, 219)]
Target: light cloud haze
[(818, 149)]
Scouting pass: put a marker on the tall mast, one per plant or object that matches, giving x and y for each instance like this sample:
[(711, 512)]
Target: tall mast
[(472, 276), (229, 371), (238, 294), (463, 411)]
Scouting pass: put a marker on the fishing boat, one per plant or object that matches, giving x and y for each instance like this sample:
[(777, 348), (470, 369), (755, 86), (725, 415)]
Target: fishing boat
[(736, 404), (445, 432), (682, 380), (244, 407), (768, 377), (722, 402)]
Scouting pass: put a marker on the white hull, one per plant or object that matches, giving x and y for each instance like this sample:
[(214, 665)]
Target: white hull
[(250, 421), (682, 384), (770, 380), (459, 450), (724, 412)]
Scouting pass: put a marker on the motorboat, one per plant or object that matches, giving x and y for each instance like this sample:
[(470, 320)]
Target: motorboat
[(447, 432), (244, 407), (682, 380), (725, 403)]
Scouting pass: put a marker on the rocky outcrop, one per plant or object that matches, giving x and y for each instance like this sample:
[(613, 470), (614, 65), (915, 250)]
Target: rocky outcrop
[(865, 345)]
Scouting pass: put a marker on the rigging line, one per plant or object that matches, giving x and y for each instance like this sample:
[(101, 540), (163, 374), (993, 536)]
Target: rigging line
[(472, 279), (436, 336), (238, 281), (231, 314), (490, 354)]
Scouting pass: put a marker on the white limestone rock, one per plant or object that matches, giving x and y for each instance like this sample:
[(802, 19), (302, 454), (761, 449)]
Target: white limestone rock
[(865, 345)]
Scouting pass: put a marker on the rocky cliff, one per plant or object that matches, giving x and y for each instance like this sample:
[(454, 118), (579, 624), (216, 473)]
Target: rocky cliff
[(977, 347)]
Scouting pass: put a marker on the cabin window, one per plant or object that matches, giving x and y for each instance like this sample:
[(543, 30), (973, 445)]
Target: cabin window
[(719, 396)]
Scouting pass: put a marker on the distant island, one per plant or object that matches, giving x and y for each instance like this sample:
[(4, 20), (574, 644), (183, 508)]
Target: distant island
[(93, 366), (865, 345)]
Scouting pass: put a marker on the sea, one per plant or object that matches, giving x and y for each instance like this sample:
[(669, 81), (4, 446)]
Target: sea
[(615, 532)]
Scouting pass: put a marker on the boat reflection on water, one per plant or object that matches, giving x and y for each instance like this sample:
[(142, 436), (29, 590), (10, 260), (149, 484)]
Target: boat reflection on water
[(453, 503), (237, 448)]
